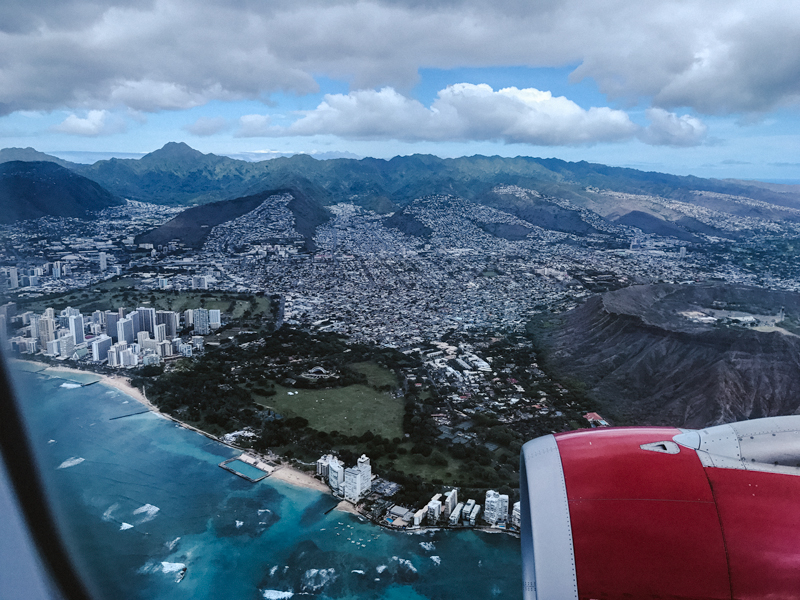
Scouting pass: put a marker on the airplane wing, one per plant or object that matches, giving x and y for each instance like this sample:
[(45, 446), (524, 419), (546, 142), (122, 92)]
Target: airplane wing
[(659, 512)]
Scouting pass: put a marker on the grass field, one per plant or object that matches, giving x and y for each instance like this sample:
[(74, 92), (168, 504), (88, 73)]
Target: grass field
[(351, 410), (376, 375), (110, 295)]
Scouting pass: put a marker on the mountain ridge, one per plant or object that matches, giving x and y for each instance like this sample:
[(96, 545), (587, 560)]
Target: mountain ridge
[(643, 362), (29, 190)]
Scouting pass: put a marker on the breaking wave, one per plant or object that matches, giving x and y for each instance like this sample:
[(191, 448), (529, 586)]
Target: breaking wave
[(125, 526), (71, 462), (169, 567), (149, 512), (316, 579), (428, 546), (276, 594), (109, 510), (70, 386), (436, 560), (405, 563)]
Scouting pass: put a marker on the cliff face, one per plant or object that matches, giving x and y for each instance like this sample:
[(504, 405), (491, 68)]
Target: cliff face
[(646, 363)]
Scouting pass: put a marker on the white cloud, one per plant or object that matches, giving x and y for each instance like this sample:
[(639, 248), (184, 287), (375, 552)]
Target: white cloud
[(206, 126), (468, 112), (668, 129), (95, 123), (256, 126), (715, 56)]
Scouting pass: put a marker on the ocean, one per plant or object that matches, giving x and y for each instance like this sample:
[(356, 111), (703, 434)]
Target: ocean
[(148, 514)]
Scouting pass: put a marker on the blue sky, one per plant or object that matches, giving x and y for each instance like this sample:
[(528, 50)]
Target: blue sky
[(709, 89)]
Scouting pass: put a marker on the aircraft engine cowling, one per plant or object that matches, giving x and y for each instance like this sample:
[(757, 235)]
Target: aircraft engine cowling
[(660, 512)]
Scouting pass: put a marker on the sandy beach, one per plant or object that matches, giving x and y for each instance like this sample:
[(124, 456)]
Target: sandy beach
[(296, 477), (345, 506), (117, 382), (285, 473)]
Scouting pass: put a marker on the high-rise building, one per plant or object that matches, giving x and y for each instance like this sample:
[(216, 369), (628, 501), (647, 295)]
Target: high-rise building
[(170, 319), (54, 347), (516, 515), (76, 328), (99, 317), (3, 332), (142, 337), (125, 331), (9, 277), (201, 325), (147, 320), (434, 511), (491, 512), (47, 330), (66, 346), (336, 476), (214, 319), (199, 282), (136, 319), (358, 480), (103, 261), (100, 347), (322, 465), (473, 515), (164, 348), (352, 484), (451, 499), (467, 510), (188, 318), (35, 326), (455, 514), (161, 333), (503, 510), (111, 318)]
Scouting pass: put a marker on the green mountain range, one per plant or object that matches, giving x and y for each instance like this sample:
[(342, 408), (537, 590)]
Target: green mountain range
[(29, 190)]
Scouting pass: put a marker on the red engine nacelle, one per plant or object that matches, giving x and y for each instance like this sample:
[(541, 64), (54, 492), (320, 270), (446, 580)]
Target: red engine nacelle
[(658, 512)]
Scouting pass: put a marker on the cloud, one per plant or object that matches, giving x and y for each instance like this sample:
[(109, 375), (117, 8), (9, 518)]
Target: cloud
[(95, 123), (463, 112), (205, 126), (256, 126), (668, 129), (469, 112), (716, 56)]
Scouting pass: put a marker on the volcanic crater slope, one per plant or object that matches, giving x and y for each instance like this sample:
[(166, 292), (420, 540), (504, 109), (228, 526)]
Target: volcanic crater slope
[(681, 355)]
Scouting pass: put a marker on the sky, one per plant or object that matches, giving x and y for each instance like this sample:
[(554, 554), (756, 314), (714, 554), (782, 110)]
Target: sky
[(709, 88)]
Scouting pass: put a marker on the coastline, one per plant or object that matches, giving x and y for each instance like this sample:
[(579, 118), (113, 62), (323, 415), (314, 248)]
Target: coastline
[(286, 473)]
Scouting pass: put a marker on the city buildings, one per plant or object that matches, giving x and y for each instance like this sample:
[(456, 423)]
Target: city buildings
[(496, 508), (201, 321)]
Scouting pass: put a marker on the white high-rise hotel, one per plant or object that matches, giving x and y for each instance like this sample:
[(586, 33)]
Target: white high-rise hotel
[(353, 483), (358, 480), (496, 508)]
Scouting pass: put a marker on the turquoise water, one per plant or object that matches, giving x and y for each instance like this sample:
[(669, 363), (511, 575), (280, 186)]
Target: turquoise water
[(245, 469), (140, 498)]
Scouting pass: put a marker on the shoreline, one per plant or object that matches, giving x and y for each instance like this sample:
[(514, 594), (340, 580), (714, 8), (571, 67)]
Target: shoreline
[(285, 473)]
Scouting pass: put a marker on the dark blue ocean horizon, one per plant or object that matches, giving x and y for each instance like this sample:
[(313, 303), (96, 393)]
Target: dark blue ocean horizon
[(139, 499)]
